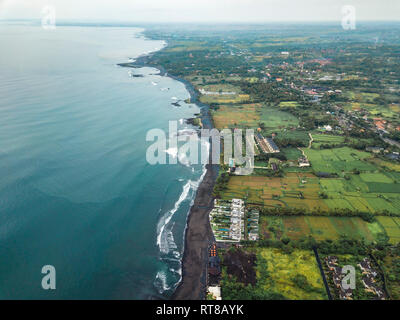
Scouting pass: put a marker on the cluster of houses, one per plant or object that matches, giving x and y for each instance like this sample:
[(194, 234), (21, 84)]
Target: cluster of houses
[(253, 217), (337, 276), (369, 278), (267, 145), (228, 220)]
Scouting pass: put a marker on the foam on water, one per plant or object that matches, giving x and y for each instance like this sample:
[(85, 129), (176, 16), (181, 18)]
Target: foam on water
[(166, 242)]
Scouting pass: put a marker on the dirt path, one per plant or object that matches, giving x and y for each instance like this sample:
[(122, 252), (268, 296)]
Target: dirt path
[(309, 145), (311, 141)]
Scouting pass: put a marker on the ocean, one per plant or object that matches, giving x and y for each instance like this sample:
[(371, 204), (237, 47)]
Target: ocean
[(76, 191)]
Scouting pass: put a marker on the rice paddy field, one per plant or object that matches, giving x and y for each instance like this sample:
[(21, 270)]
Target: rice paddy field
[(294, 190), (225, 99), (228, 116), (320, 228), (339, 160), (385, 164), (274, 119), (295, 275), (392, 227), (236, 111), (367, 192)]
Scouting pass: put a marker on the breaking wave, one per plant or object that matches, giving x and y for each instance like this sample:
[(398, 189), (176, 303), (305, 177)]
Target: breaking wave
[(169, 251)]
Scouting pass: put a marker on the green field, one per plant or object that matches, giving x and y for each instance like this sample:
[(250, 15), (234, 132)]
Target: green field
[(232, 116), (326, 139), (299, 190), (392, 227), (303, 190), (357, 194), (339, 160), (276, 119), (294, 275), (288, 104), (320, 228), (292, 153), (225, 99)]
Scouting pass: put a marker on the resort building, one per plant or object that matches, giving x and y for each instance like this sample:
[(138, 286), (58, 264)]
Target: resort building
[(231, 222), (227, 220), (267, 145), (253, 217)]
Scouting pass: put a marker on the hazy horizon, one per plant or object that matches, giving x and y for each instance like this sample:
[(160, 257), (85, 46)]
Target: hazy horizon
[(206, 11)]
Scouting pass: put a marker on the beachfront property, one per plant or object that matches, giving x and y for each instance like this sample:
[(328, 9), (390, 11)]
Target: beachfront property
[(253, 217), (267, 145), (226, 220), (232, 222)]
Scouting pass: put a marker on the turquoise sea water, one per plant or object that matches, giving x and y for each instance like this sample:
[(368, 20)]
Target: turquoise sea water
[(76, 191)]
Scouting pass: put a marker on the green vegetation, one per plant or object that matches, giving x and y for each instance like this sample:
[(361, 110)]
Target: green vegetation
[(321, 228), (390, 264), (295, 275), (330, 101)]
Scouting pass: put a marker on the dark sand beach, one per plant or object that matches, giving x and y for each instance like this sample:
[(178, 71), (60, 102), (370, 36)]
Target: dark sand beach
[(198, 234), (197, 239)]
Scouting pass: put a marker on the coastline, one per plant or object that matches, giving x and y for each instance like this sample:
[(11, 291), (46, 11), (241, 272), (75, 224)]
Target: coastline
[(198, 234)]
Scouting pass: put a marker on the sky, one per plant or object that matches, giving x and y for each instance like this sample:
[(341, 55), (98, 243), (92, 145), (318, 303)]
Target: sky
[(201, 10)]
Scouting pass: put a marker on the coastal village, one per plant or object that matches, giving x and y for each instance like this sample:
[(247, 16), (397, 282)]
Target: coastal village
[(324, 190)]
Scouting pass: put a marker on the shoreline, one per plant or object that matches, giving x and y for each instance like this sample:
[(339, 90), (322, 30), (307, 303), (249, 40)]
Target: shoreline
[(198, 234)]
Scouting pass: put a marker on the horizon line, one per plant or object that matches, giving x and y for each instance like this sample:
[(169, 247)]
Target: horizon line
[(104, 21)]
